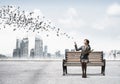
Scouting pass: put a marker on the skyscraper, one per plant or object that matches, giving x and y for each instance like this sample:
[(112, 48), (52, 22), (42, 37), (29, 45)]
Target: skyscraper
[(18, 43), (24, 47), (16, 52), (32, 53), (38, 47), (45, 50)]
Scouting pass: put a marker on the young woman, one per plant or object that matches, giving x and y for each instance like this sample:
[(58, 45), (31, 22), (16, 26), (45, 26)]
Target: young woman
[(85, 50)]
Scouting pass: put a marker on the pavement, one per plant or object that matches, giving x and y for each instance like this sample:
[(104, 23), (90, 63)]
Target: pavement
[(50, 72)]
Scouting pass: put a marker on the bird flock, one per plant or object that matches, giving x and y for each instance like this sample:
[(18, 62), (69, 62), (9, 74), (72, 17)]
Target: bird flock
[(19, 19)]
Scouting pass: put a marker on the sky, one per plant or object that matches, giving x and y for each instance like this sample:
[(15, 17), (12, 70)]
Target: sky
[(96, 20)]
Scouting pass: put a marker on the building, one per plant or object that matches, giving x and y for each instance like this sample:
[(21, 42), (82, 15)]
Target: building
[(32, 53), (21, 48), (58, 54), (24, 47), (48, 54), (66, 50), (18, 41), (16, 52), (45, 50), (38, 47)]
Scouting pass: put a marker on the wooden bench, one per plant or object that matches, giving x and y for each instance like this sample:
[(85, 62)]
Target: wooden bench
[(73, 59)]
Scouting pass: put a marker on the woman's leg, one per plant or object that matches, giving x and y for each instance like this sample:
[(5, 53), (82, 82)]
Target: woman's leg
[(82, 69), (85, 65)]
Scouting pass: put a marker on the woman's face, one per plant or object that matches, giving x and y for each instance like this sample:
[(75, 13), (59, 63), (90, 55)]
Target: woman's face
[(85, 42)]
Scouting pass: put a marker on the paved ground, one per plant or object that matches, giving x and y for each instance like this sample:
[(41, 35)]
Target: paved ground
[(45, 72)]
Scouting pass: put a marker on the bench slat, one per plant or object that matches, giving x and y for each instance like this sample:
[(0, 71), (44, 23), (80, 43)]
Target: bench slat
[(95, 59), (79, 64), (92, 59), (73, 60), (79, 61), (79, 57), (88, 57)]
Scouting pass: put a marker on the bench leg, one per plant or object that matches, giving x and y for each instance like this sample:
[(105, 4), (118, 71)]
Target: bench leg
[(103, 68), (64, 68)]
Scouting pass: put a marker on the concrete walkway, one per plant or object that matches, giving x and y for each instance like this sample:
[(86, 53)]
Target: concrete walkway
[(50, 72)]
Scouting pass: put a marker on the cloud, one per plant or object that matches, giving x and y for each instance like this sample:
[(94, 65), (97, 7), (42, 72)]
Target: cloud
[(71, 19), (114, 9), (111, 18), (118, 37), (106, 23), (72, 12)]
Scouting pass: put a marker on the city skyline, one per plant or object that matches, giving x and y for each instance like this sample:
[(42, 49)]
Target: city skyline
[(22, 48)]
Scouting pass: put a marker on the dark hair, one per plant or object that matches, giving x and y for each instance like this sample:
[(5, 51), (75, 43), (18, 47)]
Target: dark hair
[(87, 41)]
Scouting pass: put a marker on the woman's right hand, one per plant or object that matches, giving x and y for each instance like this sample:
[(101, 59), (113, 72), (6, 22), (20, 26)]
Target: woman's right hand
[(75, 43)]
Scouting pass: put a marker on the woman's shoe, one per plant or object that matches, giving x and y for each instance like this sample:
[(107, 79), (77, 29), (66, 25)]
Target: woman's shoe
[(85, 76), (82, 75)]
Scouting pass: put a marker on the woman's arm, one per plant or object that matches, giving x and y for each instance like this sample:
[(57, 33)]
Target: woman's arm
[(76, 48)]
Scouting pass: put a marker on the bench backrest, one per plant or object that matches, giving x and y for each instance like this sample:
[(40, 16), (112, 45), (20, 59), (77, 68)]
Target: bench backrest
[(75, 56)]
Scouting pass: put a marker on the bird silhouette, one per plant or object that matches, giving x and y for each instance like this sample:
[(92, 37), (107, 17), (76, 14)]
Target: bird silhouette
[(14, 29)]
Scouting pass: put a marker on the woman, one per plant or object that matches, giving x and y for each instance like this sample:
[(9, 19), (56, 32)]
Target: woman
[(85, 50)]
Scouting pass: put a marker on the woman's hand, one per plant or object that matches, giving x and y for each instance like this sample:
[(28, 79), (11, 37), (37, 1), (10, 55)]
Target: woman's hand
[(75, 43)]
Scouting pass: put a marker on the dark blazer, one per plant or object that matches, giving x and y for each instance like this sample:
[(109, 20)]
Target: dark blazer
[(84, 51)]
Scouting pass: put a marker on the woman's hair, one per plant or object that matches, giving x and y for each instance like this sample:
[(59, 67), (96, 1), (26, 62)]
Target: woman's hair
[(87, 41)]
